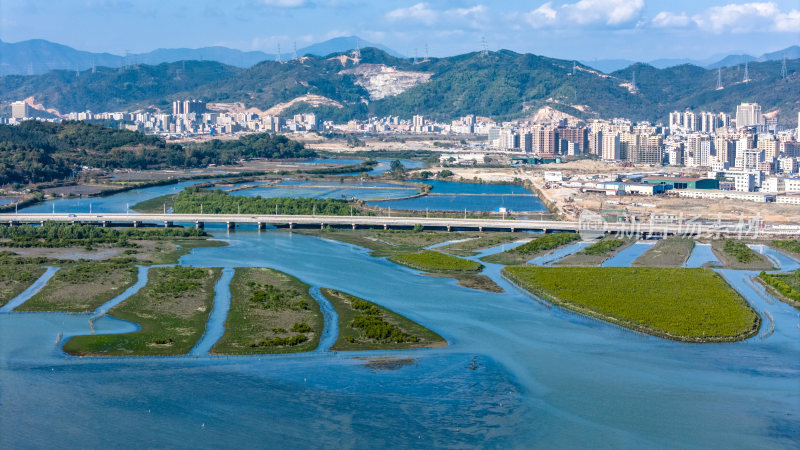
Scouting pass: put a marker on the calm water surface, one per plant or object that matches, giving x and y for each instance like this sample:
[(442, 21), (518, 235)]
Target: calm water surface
[(546, 377)]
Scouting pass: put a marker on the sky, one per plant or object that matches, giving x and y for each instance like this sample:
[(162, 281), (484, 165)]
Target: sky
[(640, 30)]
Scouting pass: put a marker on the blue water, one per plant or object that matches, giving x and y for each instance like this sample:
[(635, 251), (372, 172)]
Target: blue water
[(456, 187), (546, 377), (30, 291), (215, 327), (460, 203), (701, 254), (111, 204), (447, 198), (626, 257), (7, 201)]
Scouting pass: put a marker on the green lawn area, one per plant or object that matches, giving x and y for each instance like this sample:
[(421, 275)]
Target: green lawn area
[(670, 252), (436, 262), (83, 286), (271, 312), (17, 274), (693, 305), (785, 286), (529, 250), (363, 325), (172, 310)]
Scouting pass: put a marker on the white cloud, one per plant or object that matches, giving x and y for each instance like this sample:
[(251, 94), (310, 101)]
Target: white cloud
[(420, 12), (748, 17), (666, 19), (586, 12), (473, 11), (542, 16), (610, 12)]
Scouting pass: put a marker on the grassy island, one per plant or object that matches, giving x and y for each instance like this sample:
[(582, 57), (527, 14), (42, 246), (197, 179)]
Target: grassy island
[(443, 265), (436, 262), (529, 250), (172, 310), (83, 286), (669, 252), (271, 312), (791, 246), (784, 286), (595, 254), (363, 325), (17, 274), (691, 305), (737, 255)]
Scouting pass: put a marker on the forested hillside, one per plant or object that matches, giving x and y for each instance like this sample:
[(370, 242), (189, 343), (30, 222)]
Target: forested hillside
[(42, 151), (501, 84)]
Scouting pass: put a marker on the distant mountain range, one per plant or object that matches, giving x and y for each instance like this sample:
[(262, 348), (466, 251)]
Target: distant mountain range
[(503, 85), (612, 65), (38, 56)]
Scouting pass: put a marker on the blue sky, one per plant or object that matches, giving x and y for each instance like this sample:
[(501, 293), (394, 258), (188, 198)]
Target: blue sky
[(579, 29)]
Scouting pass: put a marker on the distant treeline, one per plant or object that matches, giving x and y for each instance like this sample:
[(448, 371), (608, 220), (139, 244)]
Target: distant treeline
[(35, 151)]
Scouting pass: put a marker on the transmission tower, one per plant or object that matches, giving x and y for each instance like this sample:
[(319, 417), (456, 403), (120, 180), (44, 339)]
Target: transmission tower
[(415, 56), (719, 78), (484, 47), (633, 84), (278, 57), (784, 72), (357, 54), (426, 52), (574, 66), (94, 67), (746, 73), (295, 50)]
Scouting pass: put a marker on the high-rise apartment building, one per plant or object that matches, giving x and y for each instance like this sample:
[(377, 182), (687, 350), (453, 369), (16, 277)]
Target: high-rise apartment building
[(748, 115), (611, 147), (20, 110)]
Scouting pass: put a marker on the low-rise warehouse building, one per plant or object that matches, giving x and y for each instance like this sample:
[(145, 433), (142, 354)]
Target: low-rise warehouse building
[(683, 182), (715, 194)]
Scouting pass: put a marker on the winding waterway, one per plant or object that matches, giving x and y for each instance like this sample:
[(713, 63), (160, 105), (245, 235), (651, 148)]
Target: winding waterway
[(544, 376)]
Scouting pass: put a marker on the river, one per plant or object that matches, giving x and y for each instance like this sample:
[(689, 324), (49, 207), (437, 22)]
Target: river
[(544, 376)]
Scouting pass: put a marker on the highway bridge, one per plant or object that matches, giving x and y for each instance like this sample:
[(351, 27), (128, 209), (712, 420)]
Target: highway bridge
[(291, 221)]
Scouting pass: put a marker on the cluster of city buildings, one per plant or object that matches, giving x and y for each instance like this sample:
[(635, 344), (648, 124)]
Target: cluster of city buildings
[(747, 152)]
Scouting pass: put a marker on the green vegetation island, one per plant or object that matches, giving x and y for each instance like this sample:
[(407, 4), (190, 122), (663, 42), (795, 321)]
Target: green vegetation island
[(271, 312), (193, 199), (172, 310), (363, 325), (595, 254), (17, 274), (689, 305), (735, 254), (439, 264), (784, 286), (83, 286), (527, 251), (668, 252)]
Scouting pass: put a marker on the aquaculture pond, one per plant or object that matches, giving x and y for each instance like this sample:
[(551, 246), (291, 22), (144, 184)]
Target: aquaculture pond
[(458, 196), (517, 372)]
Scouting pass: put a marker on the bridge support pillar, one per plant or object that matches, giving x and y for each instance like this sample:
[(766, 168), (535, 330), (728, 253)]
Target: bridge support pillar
[(321, 226), (167, 224), (262, 226), (385, 226), (12, 223), (199, 225), (136, 224), (448, 228), (354, 226), (104, 223), (41, 222), (231, 225), (480, 228), (512, 229), (291, 226), (546, 231)]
